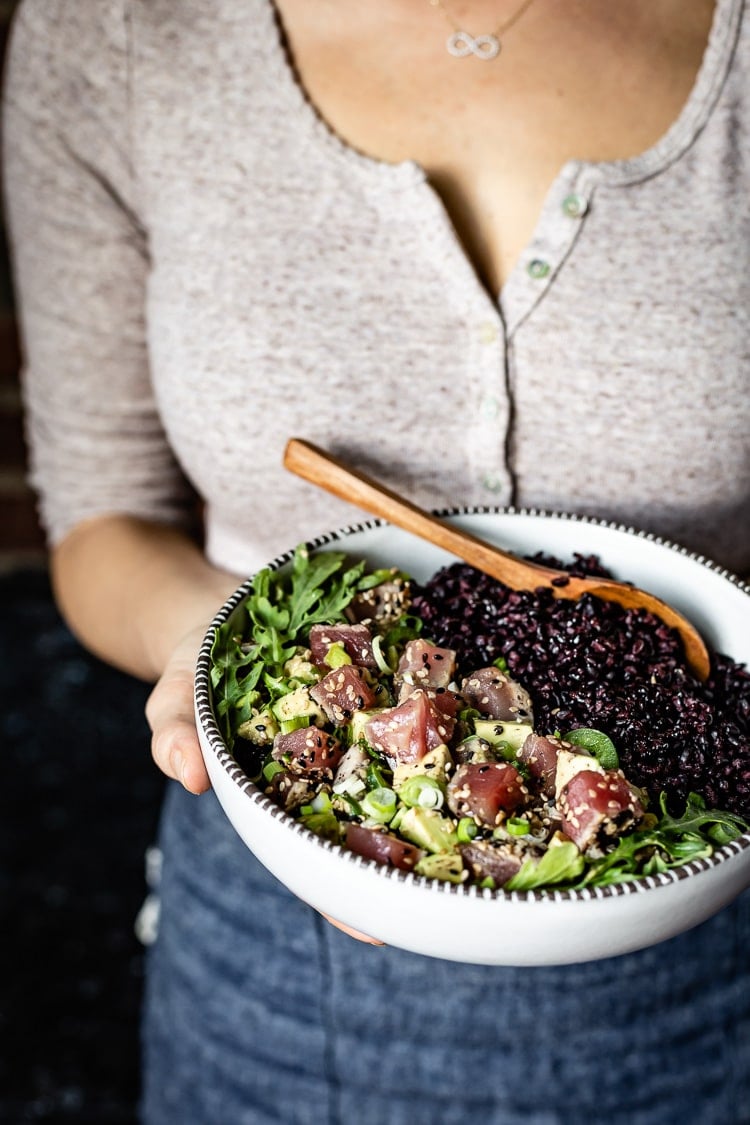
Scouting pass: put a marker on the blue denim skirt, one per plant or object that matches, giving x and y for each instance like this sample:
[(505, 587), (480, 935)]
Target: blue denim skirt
[(259, 1011)]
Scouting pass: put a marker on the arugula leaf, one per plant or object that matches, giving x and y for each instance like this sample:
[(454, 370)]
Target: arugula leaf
[(668, 843), (560, 864), (235, 694), (312, 599), (719, 825), (665, 843), (378, 577), (281, 608)]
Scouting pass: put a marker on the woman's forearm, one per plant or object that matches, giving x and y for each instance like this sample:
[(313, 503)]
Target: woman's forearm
[(131, 590)]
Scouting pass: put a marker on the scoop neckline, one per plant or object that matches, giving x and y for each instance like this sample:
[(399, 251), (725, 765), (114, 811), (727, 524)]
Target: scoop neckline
[(677, 138)]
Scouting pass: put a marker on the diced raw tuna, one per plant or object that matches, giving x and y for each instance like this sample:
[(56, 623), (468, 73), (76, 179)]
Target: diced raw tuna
[(486, 791), (356, 639), (540, 754), (290, 789), (571, 761), (447, 701), (382, 847), (406, 733), (489, 861), (425, 665), (308, 751), (384, 602), (593, 804), (496, 696), (342, 692)]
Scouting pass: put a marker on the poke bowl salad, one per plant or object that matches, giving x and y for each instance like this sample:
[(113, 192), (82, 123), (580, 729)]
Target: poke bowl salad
[(432, 729)]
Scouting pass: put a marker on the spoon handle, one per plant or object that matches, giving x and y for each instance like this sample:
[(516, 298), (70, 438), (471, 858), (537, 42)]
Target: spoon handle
[(324, 470)]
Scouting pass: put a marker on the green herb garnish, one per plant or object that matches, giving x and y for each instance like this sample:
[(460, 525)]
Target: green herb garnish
[(595, 742), (668, 843), (560, 864), (282, 607)]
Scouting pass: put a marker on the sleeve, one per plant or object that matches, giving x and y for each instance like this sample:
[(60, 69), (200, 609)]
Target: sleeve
[(80, 266)]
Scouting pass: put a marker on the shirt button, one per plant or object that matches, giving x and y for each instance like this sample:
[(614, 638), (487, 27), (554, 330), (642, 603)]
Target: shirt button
[(493, 482), (538, 269), (488, 332), (574, 206)]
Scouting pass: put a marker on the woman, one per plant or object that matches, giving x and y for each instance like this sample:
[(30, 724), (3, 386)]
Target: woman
[(494, 255)]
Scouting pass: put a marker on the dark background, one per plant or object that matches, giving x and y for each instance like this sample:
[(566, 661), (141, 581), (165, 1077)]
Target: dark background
[(79, 806)]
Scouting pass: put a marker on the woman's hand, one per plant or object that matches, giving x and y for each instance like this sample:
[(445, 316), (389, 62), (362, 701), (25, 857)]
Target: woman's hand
[(357, 934), (170, 714), (141, 596)]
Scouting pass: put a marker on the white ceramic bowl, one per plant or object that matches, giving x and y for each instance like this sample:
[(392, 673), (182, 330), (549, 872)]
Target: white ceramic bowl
[(467, 923)]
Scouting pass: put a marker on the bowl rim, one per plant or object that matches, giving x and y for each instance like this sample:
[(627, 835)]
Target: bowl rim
[(205, 714)]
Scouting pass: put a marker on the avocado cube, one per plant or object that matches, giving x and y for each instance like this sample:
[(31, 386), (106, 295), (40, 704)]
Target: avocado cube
[(428, 829), (496, 731)]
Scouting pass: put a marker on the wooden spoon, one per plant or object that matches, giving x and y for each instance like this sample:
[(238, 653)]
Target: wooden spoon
[(320, 468)]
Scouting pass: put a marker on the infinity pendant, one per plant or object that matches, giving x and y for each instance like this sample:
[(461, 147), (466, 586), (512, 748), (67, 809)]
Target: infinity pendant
[(461, 44)]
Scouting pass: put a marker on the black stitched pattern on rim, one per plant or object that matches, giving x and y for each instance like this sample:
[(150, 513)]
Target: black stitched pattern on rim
[(204, 710)]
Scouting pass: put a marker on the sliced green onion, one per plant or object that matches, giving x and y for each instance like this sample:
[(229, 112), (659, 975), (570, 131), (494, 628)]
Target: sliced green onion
[(380, 658), (466, 830), (422, 792), (354, 805), (517, 826), (380, 804), (271, 769), (723, 833), (400, 813), (286, 726), (352, 786), (379, 576), (501, 663), (320, 802), (375, 779), (506, 751)]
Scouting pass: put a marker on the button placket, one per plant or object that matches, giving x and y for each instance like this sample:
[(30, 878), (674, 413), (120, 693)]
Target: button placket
[(486, 445), (560, 222)]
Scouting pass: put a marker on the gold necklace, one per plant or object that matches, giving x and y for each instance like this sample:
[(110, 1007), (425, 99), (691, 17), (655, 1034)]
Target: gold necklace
[(461, 44)]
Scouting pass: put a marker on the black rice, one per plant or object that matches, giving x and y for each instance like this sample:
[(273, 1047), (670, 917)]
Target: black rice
[(592, 663)]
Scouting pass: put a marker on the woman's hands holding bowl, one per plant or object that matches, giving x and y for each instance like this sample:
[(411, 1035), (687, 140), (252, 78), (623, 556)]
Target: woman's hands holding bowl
[(169, 711)]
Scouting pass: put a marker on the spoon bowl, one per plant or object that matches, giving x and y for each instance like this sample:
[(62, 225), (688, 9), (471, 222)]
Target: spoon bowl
[(322, 469)]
